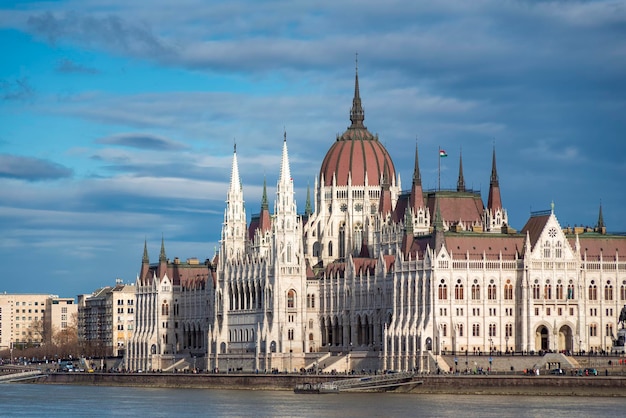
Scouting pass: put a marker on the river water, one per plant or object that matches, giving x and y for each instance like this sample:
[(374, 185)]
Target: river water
[(35, 400)]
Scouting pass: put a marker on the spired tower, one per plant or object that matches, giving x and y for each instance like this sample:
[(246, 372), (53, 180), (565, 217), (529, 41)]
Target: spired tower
[(348, 191), (261, 283)]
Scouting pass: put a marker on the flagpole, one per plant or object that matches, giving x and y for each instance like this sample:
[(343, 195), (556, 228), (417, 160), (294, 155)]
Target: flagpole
[(439, 169)]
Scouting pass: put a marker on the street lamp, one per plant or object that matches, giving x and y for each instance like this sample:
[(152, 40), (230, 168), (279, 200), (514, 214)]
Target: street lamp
[(507, 344), (490, 345)]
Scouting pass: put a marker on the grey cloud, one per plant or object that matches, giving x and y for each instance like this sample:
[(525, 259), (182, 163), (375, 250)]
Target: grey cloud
[(111, 32), (66, 65), (31, 169), (18, 89), (143, 141)]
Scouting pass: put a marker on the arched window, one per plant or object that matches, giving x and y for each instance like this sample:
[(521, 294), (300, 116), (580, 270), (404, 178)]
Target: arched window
[(443, 291), (558, 252), (342, 241), (290, 334), (444, 330), (593, 291), (570, 290), (476, 330), (546, 249), (492, 330), (593, 330), (491, 292), (508, 290), (475, 291), (508, 330), (460, 330), (622, 292), (559, 291), (458, 291), (536, 291), (165, 309), (608, 291), (330, 249), (291, 299), (547, 291), (358, 237)]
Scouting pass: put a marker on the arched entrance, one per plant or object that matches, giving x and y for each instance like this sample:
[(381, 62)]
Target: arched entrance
[(565, 339), (542, 338)]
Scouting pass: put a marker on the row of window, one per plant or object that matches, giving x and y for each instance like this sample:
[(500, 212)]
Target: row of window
[(459, 291)]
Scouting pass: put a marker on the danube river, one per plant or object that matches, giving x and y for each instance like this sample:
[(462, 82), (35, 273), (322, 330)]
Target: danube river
[(33, 400)]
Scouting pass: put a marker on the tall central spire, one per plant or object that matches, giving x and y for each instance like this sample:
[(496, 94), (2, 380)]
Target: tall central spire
[(356, 113)]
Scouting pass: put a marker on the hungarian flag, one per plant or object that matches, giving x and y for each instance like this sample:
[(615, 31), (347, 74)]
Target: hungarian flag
[(442, 153)]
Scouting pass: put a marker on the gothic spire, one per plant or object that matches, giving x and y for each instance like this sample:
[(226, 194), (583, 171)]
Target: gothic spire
[(285, 173), (235, 181), (600, 219), (145, 259), (264, 204), (417, 177), (356, 113), (460, 184), (308, 210), (495, 201), (162, 256), (417, 194)]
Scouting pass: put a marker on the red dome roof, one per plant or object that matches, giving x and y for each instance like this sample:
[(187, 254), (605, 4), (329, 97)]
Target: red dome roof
[(356, 152)]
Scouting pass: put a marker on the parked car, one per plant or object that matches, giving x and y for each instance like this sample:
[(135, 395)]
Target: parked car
[(558, 372), (587, 372)]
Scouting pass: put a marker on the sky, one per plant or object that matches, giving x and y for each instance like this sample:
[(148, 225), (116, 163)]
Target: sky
[(118, 119)]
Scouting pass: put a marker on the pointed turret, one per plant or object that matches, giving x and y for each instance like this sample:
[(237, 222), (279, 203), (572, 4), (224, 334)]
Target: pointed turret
[(265, 221), (417, 194), (601, 228), (285, 172), (162, 260), (162, 256), (285, 202), (234, 227), (308, 209), (384, 205), (460, 184), (145, 259), (495, 201), (264, 203), (357, 116)]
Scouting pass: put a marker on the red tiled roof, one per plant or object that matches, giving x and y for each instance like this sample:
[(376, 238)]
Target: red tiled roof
[(594, 245), (534, 226), (456, 206), (459, 245), (357, 152), (364, 266)]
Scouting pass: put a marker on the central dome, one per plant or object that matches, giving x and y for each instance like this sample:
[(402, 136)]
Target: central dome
[(356, 153)]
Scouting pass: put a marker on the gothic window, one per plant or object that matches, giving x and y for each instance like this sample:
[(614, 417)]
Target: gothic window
[(559, 291), (536, 291), (165, 309), (609, 330), (570, 291), (622, 292), (342, 241), (291, 299), (492, 330), (508, 290), (593, 330), (491, 292), (289, 253), (475, 291), (330, 249), (593, 291), (558, 252), (443, 291), (608, 292), (476, 330), (547, 291), (508, 330), (358, 236), (290, 334), (460, 330), (444, 330), (546, 249), (458, 291)]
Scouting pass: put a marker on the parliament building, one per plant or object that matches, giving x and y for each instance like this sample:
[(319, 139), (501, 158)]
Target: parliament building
[(371, 276)]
